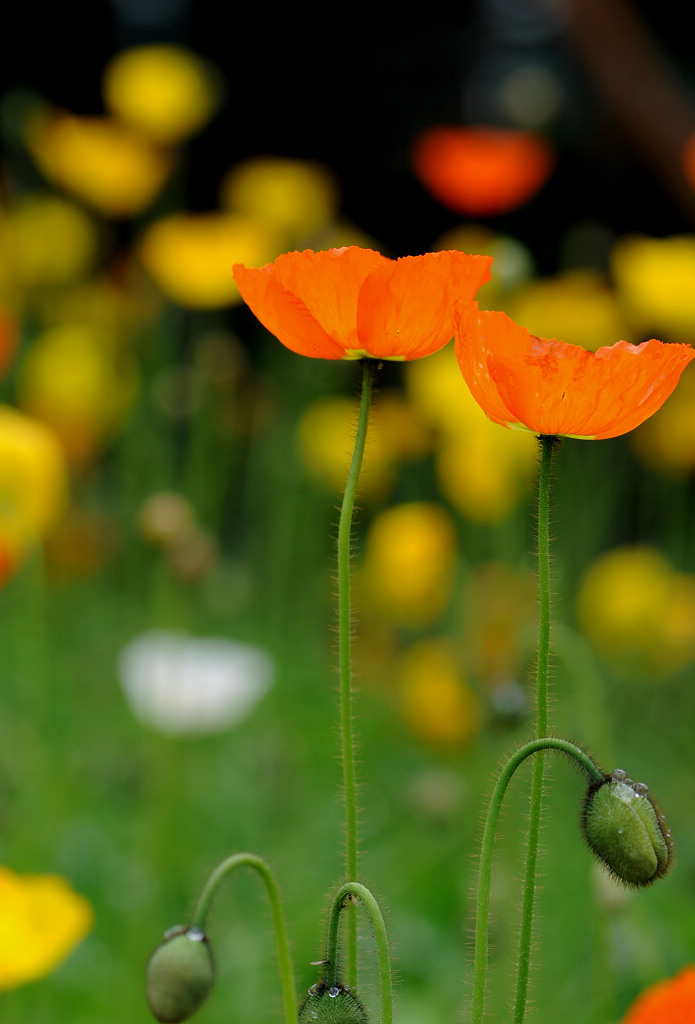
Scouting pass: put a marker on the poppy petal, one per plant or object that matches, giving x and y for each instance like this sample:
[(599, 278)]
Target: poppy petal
[(405, 307), (569, 390), (329, 284), (550, 387), (283, 314), (471, 328)]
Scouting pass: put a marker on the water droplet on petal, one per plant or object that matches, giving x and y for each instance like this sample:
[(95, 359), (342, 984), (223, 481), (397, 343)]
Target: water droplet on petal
[(196, 934), (640, 789), (333, 992), (619, 775)]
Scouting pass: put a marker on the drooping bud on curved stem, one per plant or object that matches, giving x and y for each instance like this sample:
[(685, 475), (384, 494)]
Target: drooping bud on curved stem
[(180, 972), (331, 1002), (624, 828), (594, 774), (334, 1004)]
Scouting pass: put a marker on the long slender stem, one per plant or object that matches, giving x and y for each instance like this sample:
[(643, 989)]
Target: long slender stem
[(547, 444), (486, 853), (354, 889), (251, 860), (345, 657)]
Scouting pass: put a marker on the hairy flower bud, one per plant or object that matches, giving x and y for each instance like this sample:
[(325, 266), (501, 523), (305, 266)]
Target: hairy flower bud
[(180, 974), (334, 1004), (626, 831)]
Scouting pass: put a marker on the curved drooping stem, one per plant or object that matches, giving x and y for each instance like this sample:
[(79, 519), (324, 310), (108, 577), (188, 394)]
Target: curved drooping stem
[(484, 879), (347, 742), (251, 860), (547, 445), (355, 892)]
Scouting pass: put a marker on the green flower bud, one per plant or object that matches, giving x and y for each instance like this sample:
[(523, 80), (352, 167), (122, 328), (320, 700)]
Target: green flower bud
[(334, 1004), (180, 974), (626, 831)]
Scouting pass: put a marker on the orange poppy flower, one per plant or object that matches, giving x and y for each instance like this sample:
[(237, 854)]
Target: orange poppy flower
[(671, 1001), (352, 302), (482, 171), (550, 387)]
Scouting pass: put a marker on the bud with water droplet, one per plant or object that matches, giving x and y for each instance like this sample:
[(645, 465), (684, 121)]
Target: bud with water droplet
[(626, 831), (180, 974), (331, 1004)]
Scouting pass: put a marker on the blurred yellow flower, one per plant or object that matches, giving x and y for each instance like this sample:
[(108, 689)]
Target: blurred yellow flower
[(666, 441), (482, 471), (99, 160), (577, 306), (296, 198), (33, 484), (634, 608), (326, 439), (190, 256), (513, 265), (165, 91), (46, 241), (654, 278), (437, 705), (76, 378), (409, 563), (41, 921)]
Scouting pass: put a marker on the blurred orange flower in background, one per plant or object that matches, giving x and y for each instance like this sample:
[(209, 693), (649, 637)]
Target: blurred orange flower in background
[(550, 387), (351, 302), (41, 921), (482, 171), (671, 1001)]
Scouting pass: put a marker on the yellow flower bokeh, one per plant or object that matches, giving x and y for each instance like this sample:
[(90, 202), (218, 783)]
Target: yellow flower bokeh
[(100, 160), (190, 256), (436, 703), (165, 91), (295, 198), (33, 484), (654, 278), (327, 434), (46, 242), (42, 920), (638, 611), (577, 306), (76, 378), (409, 564), (666, 441), (481, 470)]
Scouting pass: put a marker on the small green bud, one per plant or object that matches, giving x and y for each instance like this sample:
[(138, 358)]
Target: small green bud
[(626, 831), (334, 1004), (179, 975)]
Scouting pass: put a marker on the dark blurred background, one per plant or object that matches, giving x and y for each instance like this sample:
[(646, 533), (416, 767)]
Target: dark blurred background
[(353, 86)]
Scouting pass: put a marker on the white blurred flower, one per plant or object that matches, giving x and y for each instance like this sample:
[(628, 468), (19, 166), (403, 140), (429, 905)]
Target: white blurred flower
[(184, 685)]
